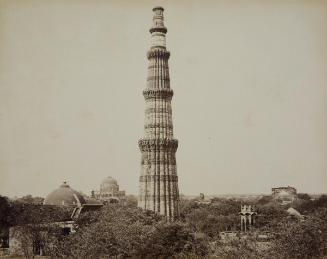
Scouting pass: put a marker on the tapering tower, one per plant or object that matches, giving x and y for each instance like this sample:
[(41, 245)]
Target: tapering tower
[(158, 180)]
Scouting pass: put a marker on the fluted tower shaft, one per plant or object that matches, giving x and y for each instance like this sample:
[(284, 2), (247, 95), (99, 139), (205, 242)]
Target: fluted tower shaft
[(158, 179)]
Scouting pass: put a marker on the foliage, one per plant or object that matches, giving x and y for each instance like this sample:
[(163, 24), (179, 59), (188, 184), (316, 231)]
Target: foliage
[(201, 220), (5, 211), (211, 219), (306, 206), (169, 239), (125, 231), (269, 215), (34, 226), (242, 248), (131, 200), (121, 231), (29, 199), (36, 238), (303, 196), (23, 214), (225, 206), (304, 239), (265, 200)]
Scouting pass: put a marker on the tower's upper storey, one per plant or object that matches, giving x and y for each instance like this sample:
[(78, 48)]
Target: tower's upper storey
[(158, 30)]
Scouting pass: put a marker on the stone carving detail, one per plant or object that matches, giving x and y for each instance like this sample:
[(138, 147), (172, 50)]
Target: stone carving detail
[(158, 93), (159, 29), (152, 178), (158, 53), (158, 144), (158, 125), (158, 179)]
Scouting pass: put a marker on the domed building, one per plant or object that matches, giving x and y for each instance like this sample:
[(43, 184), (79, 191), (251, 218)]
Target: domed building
[(109, 191), (68, 197), (109, 187), (64, 196)]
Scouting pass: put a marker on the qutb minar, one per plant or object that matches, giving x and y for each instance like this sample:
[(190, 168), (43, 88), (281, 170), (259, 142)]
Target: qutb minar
[(158, 179)]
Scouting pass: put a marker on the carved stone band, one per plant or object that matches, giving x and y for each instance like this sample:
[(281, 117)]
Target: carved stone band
[(158, 94), (164, 161), (158, 144), (162, 29), (158, 125), (158, 53), (156, 178)]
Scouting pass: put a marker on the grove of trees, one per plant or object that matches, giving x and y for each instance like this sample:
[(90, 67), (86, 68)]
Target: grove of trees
[(125, 231)]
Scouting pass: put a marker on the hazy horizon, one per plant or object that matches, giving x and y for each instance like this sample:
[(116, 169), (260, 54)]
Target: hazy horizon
[(249, 105)]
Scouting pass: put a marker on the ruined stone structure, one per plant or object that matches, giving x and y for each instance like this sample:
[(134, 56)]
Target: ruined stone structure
[(247, 217), (285, 194), (158, 179)]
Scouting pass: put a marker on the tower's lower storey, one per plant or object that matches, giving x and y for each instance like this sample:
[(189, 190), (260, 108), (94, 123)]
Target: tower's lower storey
[(158, 179)]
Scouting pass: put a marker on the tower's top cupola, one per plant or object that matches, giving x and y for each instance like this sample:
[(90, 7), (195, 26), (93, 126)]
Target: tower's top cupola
[(160, 8), (158, 30)]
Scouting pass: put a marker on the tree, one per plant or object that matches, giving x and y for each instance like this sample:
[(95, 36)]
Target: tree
[(35, 227), (5, 211), (170, 239), (321, 201), (304, 239), (265, 199), (211, 219), (308, 207), (269, 215), (29, 199), (35, 239), (303, 196), (241, 248), (113, 231), (127, 232)]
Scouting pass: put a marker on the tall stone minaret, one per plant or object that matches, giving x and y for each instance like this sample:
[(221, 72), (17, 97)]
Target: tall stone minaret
[(158, 180)]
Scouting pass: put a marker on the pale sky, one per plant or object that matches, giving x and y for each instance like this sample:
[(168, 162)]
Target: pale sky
[(250, 103)]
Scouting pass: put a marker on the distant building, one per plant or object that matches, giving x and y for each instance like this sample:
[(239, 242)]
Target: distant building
[(201, 199), (109, 192), (247, 217), (285, 194)]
